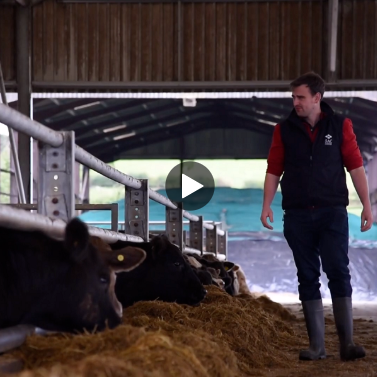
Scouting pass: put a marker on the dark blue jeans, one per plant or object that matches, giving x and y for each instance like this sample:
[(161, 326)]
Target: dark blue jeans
[(319, 235)]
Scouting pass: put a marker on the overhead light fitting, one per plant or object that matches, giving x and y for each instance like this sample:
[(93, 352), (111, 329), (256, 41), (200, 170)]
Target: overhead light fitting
[(125, 136), (86, 105), (111, 129)]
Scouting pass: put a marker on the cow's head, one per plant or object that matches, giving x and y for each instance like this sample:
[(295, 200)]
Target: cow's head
[(122, 260), (84, 294), (165, 276), (177, 281)]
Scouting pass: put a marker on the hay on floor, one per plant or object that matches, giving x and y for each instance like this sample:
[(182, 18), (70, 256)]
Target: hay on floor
[(223, 336), (256, 330)]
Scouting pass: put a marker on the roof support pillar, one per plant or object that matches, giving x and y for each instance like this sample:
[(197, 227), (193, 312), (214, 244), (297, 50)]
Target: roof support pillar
[(23, 41), (179, 40), (333, 36)]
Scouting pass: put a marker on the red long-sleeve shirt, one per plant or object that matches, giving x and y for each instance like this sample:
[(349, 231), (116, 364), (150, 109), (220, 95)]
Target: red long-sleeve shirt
[(351, 155)]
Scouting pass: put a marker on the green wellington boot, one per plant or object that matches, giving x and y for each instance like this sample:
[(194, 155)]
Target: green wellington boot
[(315, 325), (342, 308)]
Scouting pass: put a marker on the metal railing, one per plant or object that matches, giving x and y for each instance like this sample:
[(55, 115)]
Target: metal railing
[(21, 123), (18, 219), (121, 224), (113, 207)]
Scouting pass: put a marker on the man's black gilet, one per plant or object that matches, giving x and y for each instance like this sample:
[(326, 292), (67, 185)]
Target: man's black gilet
[(313, 172)]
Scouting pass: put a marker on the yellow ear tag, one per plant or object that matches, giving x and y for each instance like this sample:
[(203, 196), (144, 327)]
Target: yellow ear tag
[(120, 257), (226, 268)]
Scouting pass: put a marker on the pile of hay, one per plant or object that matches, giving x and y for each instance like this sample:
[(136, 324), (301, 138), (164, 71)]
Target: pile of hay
[(256, 330), (223, 336)]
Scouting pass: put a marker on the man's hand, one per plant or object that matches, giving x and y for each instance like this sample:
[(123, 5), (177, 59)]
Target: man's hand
[(359, 180), (366, 219), (267, 212), (271, 184)]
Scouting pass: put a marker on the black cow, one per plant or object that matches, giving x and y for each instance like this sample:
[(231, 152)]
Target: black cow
[(164, 275), (59, 285)]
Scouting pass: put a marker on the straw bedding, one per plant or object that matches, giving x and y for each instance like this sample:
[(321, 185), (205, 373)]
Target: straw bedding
[(223, 336)]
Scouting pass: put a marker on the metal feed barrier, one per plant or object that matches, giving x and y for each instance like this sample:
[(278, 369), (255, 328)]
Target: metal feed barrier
[(56, 193), (56, 204)]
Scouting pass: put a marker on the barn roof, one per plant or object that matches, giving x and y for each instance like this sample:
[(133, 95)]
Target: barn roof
[(114, 128)]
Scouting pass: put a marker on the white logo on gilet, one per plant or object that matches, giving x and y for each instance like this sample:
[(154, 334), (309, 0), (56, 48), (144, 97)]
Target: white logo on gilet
[(328, 140)]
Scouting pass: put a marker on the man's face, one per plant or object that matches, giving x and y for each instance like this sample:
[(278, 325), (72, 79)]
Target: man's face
[(304, 102)]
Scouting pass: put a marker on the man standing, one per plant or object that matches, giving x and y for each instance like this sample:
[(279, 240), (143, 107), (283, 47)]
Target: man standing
[(312, 147)]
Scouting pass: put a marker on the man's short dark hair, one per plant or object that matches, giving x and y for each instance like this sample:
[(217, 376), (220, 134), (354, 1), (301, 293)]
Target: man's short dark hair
[(314, 81)]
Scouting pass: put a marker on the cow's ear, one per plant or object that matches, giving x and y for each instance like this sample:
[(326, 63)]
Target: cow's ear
[(228, 266), (125, 259), (160, 242), (193, 262), (77, 239), (236, 268)]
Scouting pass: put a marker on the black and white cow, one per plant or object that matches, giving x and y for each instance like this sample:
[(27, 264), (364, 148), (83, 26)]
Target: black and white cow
[(164, 275), (59, 285), (219, 271)]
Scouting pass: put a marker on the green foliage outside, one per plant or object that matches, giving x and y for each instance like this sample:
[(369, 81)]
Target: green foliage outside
[(227, 173)]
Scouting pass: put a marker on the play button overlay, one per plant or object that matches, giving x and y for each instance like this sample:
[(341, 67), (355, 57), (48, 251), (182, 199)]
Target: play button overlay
[(190, 185)]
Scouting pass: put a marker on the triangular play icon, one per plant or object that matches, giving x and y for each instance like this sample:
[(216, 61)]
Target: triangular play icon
[(189, 186)]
